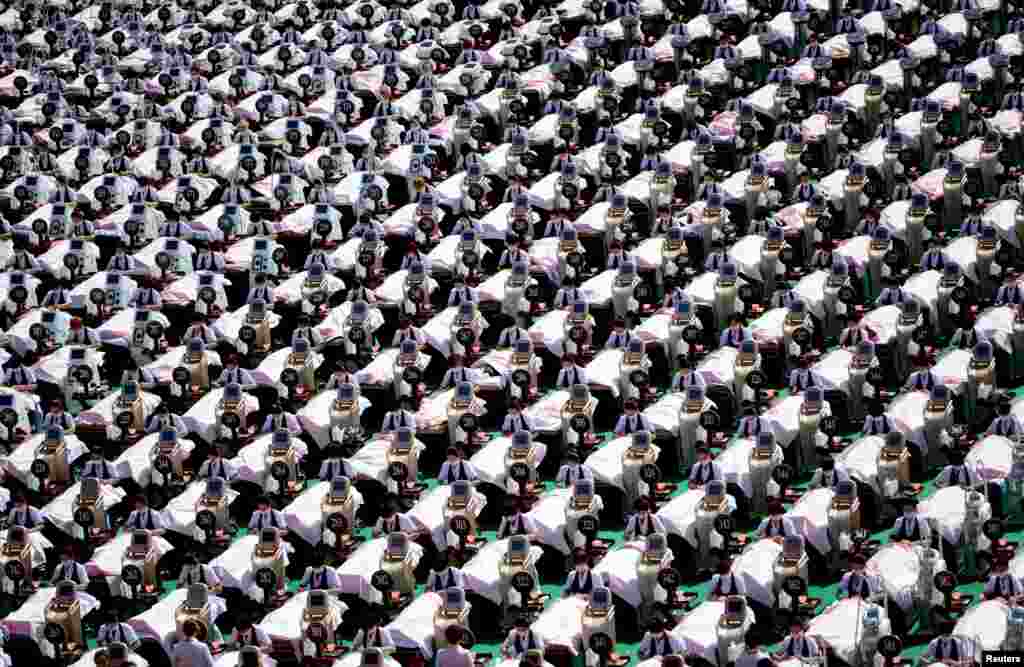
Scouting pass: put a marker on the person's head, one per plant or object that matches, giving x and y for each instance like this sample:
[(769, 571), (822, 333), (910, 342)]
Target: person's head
[(76, 324), (828, 463), (796, 627), (580, 559), (631, 407), (319, 558), (56, 406), (263, 503), (515, 407), (190, 629), (191, 559), (725, 566), (453, 634), (244, 624), (452, 455), (522, 625), (231, 361), (441, 561), (20, 501), (68, 553), (457, 361), (656, 626), (643, 506), (404, 323), (775, 509), (139, 503), (619, 325), (857, 562), (736, 322), (877, 408), (567, 361), (703, 454)]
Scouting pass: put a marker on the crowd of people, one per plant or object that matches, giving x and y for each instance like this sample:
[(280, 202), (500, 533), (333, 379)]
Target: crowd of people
[(618, 322)]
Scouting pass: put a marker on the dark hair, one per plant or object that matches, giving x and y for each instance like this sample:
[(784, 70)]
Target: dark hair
[(453, 634), (190, 628)]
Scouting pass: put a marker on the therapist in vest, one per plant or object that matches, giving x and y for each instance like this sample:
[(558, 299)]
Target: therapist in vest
[(246, 634), (144, 518), (195, 572), (521, 639), (658, 641), (1002, 584), (116, 631), (581, 580), (516, 521), (642, 523), (445, 576), (798, 644), (754, 656), (372, 635), (726, 582), (705, 469), (319, 577), (70, 570), (456, 468), (910, 527), (265, 517)]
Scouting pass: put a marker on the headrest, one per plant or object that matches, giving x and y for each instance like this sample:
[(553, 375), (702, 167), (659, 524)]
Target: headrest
[(340, 486), (198, 595), (715, 488), (793, 546)]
